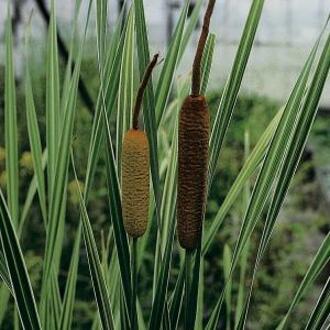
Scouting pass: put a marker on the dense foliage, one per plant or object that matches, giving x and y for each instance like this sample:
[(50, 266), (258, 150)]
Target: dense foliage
[(60, 186)]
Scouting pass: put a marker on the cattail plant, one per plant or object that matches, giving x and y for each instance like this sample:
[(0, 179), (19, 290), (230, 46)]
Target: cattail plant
[(194, 124), (135, 183), (193, 152)]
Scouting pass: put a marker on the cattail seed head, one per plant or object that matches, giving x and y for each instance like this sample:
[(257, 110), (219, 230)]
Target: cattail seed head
[(135, 182), (135, 168), (194, 124), (192, 171)]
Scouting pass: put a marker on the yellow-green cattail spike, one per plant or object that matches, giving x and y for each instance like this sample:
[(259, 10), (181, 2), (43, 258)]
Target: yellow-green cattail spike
[(135, 169)]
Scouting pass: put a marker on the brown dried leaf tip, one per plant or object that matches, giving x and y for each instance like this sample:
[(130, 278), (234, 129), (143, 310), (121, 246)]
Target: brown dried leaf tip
[(135, 169), (194, 125)]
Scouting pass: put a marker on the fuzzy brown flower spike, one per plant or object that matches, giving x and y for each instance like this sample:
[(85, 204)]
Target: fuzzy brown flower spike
[(135, 169), (193, 153)]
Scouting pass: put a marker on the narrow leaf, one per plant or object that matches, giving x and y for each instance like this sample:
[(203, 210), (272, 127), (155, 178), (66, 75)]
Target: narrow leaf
[(11, 143), (232, 87), (19, 278)]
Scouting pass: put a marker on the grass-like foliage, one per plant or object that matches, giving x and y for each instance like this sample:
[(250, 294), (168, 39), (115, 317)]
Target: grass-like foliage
[(123, 53)]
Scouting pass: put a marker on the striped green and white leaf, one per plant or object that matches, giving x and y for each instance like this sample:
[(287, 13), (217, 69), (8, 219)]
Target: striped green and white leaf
[(149, 116), (321, 312), (191, 26), (18, 275), (276, 153), (11, 143), (250, 166), (319, 262), (116, 216), (55, 229), (296, 144), (106, 98), (4, 275), (207, 62), (66, 314), (98, 280), (52, 100), (35, 144), (227, 255), (233, 84), (126, 88), (168, 71)]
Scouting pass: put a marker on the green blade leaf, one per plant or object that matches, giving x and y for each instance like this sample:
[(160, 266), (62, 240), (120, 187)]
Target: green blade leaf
[(126, 85), (275, 155), (11, 143), (101, 24), (106, 97), (159, 302), (207, 62), (168, 71), (149, 102), (319, 262), (307, 118), (274, 158), (52, 100), (4, 271), (321, 311), (99, 283), (298, 141), (117, 217), (191, 26), (245, 254), (176, 302), (246, 172), (55, 229), (200, 301), (61, 176), (190, 314), (19, 278), (233, 84), (30, 194), (35, 143), (226, 270), (70, 289), (296, 144)]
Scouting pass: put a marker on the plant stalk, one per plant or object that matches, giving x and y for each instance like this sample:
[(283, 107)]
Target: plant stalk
[(188, 282), (134, 284)]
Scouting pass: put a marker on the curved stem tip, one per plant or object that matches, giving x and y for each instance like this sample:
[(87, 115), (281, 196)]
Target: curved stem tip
[(143, 85), (196, 71)]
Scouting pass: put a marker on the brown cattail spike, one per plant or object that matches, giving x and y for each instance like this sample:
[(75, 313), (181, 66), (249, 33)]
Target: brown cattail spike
[(192, 170), (194, 124), (196, 72), (141, 90)]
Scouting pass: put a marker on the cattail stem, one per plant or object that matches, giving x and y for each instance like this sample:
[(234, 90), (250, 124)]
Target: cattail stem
[(196, 72), (187, 286), (134, 284), (143, 85)]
